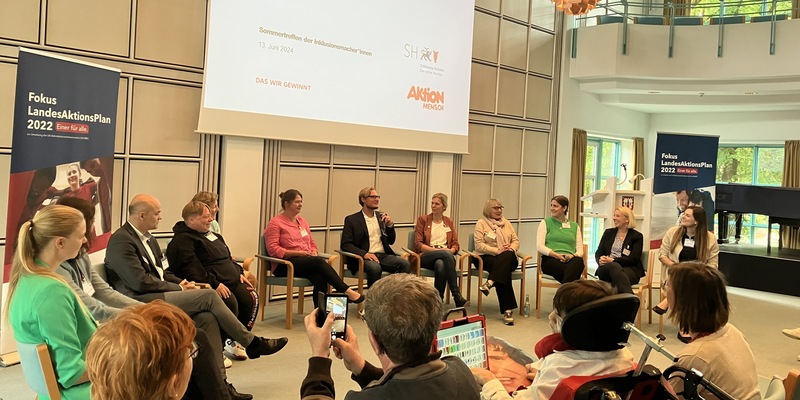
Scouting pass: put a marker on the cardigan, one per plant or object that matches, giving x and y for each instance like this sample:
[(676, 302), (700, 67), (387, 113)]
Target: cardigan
[(422, 232)]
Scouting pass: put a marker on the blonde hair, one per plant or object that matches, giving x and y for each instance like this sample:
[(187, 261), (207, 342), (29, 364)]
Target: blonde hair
[(49, 223), (205, 197), (135, 354), (487, 207), (363, 194), (194, 208), (442, 197), (628, 213)]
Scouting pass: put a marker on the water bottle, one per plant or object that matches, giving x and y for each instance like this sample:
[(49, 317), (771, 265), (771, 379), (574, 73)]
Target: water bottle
[(527, 310)]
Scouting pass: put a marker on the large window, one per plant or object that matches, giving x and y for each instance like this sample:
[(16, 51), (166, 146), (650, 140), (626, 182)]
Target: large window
[(752, 165), (742, 7), (602, 162)]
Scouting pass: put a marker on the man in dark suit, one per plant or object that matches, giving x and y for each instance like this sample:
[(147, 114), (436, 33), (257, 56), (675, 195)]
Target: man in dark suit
[(135, 266), (369, 233)]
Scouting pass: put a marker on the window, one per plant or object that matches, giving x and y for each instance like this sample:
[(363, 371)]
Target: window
[(748, 7), (752, 165), (602, 162)]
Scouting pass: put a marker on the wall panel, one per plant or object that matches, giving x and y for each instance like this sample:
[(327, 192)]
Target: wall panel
[(485, 36), (347, 155), (313, 184), (511, 93), (513, 44), (97, 26), (506, 189), (508, 149), (164, 118), (20, 20), (483, 87), (5, 171), (344, 192), (172, 183), (481, 143), (171, 31), (539, 98), (475, 190), (398, 195), (315, 153), (8, 73), (536, 154)]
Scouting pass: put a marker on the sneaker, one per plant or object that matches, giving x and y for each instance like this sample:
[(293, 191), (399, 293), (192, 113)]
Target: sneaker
[(263, 347), (235, 395), (234, 350), (226, 361), (508, 317), (792, 333)]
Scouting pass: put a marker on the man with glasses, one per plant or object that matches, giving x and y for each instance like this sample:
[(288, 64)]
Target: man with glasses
[(370, 234), (401, 333)]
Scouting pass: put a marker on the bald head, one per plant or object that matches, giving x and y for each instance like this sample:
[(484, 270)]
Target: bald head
[(144, 212)]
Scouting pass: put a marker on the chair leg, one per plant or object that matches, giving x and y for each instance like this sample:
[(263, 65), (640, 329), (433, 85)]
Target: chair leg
[(522, 294), (301, 299), (480, 296), (262, 287), (469, 286), (289, 301), (538, 296)]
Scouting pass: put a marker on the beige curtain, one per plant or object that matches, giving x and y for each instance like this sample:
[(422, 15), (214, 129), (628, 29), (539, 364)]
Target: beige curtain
[(791, 179), (578, 176), (638, 161)]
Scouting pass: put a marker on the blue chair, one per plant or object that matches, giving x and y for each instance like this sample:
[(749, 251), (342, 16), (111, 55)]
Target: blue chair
[(649, 20), (768, 18), (687, 20), (37, 368), (266, 278), (610, 19), (731, 19)]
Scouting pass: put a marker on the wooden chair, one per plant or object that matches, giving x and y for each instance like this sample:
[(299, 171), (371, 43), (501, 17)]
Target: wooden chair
[(483, 275), (266, 278), (416, 265), (37, 368), (644, 286), (790, 384), (345, 272), (731, 19), (544, 280)]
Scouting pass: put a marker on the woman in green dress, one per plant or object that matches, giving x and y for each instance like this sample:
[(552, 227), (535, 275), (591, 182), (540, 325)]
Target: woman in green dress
[(42, 307)]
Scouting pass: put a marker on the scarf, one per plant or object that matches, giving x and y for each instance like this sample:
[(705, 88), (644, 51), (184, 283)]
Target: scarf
[(497, 227)]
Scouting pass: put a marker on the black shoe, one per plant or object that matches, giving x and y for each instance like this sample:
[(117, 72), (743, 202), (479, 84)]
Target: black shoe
[(360, 299), (236, 395), (459, 300), (263, 347), (684, 339), (485, 288), (660, 311)]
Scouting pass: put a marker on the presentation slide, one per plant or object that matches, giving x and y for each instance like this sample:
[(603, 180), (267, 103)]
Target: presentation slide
[(366, 73)]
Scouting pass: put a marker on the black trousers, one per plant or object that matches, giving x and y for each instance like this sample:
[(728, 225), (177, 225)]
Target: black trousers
[(207, 380), (317, 271), (563, 271), (243, 303), (500, 268), (620, 277)]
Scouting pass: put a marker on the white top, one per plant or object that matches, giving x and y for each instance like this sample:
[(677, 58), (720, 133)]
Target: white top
[(374, 229), (438, 235), (563, 364)]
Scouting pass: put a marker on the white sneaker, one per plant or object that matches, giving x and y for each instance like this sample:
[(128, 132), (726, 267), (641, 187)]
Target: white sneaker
[(792, 333), (226, 362), (234, 350)]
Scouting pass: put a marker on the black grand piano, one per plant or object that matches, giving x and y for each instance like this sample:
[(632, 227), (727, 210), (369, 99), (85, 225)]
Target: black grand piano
[(750, 266), (780, 204)]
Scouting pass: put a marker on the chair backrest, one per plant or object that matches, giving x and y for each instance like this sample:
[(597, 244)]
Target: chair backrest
[(471, 242), (731, 19), (38, 369), (262, 246), (609, 19), (411, 238), (597, 325), (686, 20), (649, 20), (790, 383)]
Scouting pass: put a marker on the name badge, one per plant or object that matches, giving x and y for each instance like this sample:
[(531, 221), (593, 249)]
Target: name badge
[(165, 263), (565, 225), (446, 229), (626, 252), (303, 232), (491, 235), (211, 236), (688, 243), (87, 286)]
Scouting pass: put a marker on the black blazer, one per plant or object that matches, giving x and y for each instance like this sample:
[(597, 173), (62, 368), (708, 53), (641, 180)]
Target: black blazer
[(633, 243), (129, 268), (355, 237)]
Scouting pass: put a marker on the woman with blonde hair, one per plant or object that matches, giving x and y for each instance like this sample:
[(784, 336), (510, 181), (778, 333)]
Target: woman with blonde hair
[(149, 349), (42, 307), (497, 244), (619, 254)]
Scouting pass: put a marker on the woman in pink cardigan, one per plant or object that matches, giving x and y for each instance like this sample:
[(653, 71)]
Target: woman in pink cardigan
[(288, 236)]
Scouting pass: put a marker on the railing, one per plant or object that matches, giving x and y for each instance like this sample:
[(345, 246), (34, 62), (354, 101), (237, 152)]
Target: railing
[(703, 13)]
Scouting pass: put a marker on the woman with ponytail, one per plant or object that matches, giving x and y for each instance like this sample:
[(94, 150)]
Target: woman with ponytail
[(42, 307)]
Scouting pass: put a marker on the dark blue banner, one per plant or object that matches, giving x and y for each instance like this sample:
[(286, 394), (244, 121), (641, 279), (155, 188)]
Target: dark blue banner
[(684, 162)]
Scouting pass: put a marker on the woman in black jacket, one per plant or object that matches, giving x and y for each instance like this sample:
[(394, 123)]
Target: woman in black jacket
[(619, 254)]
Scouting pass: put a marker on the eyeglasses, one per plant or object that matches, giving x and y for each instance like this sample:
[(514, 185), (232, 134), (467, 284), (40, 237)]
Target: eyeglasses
[(195, 350), (497, 208), (375, 196)]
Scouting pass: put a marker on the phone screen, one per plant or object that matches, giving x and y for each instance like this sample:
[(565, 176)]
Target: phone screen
[(337, 304)]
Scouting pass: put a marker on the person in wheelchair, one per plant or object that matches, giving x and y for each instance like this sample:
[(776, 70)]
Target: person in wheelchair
[(699, 306), (560, 358)]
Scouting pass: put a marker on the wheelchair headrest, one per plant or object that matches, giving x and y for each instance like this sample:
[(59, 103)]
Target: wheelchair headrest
[(597, 325)]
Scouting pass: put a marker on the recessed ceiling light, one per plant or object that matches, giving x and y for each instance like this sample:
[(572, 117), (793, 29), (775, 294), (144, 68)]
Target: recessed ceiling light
[(750, 92)]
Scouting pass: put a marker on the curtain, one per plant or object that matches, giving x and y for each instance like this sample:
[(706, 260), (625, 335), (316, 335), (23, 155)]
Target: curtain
[(791, 179), (638, 161), (577, 176)]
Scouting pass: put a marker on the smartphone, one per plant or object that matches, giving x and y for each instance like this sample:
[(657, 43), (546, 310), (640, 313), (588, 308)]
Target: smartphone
[(335, 303)]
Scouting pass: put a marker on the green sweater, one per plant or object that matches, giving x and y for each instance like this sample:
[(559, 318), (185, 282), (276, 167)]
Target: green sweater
[(44, 310), (559, 239)]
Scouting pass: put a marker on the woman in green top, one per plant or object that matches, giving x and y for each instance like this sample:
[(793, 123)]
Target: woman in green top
[(42, 307), (560, 242)]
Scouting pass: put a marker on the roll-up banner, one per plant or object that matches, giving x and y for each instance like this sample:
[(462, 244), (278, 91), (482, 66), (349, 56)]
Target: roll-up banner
[(62, 146), (685, 175)]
